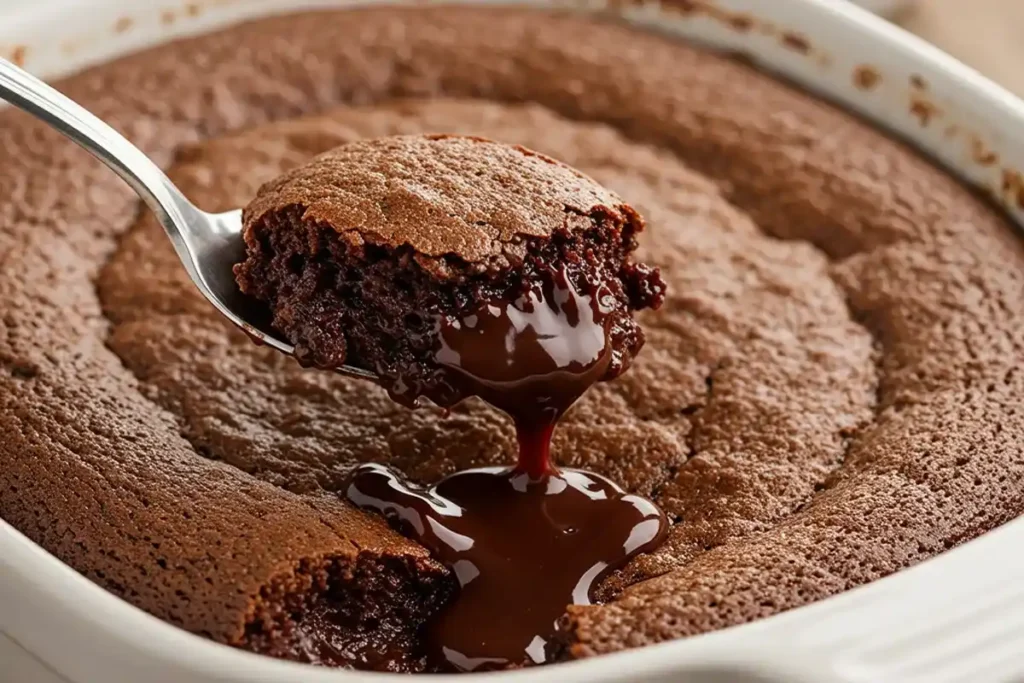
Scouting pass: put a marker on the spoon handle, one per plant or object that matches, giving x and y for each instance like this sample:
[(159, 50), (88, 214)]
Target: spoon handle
[(30, 94), (208, 245)]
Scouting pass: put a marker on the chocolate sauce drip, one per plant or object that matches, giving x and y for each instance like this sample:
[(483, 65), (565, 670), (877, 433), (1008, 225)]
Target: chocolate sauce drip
[(531, 357), (527, 541), (521, 548)]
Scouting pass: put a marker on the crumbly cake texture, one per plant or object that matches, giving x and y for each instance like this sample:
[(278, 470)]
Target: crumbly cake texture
[(830, 393), (359, 252)]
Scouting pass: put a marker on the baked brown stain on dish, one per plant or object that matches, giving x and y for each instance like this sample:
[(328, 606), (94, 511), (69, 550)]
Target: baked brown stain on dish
[(736, 20), (123, 24), (866, 77), (796, 42), (924, 110), (1009, 188), (981, 153), (18, 54), (1013, 187), (741, 22)]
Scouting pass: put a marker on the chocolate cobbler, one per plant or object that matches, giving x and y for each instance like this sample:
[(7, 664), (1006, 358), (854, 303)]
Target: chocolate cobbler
[(829, 392)]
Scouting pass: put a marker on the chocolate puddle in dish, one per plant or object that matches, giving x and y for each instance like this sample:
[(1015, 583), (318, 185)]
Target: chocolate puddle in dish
[(522, 548), (829, 394)]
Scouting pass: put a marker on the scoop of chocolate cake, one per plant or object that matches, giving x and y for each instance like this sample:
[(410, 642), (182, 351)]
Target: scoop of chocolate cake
[(451, 266)]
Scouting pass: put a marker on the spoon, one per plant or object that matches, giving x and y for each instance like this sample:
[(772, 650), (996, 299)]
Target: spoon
[(208, 244)]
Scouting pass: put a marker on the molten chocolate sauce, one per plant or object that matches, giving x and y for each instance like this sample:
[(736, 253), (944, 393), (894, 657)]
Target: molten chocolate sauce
[(521, 548), (531, 357), (527, 541)]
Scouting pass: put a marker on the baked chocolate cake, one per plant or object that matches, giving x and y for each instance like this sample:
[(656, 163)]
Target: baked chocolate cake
[(365, 255), (830, 393)]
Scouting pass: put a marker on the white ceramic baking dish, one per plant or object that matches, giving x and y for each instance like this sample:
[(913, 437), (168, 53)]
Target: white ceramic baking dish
[(958, 617)]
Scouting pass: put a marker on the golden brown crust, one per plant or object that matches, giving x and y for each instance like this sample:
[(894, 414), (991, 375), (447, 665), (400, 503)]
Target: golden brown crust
[(442, 195)]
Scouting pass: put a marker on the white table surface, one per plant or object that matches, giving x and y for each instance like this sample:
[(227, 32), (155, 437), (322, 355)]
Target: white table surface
[(985, 34)]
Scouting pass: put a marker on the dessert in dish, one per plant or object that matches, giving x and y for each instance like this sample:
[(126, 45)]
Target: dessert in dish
[(829, 393), (458, 267)]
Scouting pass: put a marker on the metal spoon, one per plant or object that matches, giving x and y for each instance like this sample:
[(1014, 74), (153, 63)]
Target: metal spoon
[(208, 244)]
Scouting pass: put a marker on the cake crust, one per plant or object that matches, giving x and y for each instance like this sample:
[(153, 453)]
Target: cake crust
[(440, 195)]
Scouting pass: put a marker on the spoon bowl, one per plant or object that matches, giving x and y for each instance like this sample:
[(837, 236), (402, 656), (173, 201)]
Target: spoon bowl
[(208, 244)]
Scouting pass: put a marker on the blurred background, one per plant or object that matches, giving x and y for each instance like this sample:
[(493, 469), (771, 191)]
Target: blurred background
[(986, 34)]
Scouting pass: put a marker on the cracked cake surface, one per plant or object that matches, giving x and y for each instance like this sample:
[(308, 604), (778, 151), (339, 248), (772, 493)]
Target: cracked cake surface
[(829, 393), (439, 195)]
